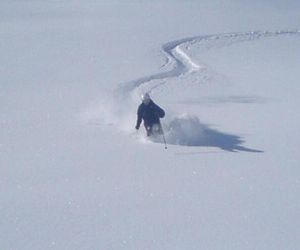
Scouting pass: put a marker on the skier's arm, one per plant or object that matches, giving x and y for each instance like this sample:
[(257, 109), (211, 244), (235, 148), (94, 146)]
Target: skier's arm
[(159, 111), (139, 118)]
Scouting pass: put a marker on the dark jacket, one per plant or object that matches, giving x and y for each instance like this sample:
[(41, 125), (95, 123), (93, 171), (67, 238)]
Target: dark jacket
[(149, 113)]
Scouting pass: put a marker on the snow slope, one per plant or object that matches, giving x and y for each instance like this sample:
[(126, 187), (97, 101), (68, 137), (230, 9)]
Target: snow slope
[(75, 174)]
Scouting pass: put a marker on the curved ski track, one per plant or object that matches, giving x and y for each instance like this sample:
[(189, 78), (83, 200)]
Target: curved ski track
[(181, 63)]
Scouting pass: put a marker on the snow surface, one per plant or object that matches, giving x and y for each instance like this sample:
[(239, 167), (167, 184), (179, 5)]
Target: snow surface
[(75, 174)]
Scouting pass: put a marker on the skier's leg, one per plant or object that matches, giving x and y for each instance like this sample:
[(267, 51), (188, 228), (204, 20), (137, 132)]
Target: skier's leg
[(148, 128), (160, 129), (157, 128)]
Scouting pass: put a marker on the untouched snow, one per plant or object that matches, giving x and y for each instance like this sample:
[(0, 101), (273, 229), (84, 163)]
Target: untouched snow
[(75, 174)]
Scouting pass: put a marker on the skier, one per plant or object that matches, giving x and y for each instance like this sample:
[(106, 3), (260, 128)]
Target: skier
[(150, 113)]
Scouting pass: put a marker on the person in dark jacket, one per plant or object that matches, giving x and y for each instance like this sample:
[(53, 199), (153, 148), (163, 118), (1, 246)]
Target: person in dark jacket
[(150, 113)]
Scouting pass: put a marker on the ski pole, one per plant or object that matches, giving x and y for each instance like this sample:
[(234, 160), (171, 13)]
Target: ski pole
[(163, 135)]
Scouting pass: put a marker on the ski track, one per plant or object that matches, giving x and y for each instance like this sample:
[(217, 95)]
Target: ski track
[(181, 63), (185, 130)]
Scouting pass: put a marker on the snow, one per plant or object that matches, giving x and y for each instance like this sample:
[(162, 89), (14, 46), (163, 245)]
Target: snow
[(75, 174)]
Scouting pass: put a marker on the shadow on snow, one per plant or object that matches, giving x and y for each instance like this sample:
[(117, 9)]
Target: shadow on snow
[(189, 131)]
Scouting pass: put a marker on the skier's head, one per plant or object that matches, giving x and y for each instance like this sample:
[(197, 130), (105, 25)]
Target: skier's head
[(146, 98)]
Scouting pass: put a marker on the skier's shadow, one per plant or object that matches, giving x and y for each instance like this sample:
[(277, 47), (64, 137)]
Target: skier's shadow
[(189, 131)]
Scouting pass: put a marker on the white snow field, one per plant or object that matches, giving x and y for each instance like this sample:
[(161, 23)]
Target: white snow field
[(74, 172)]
